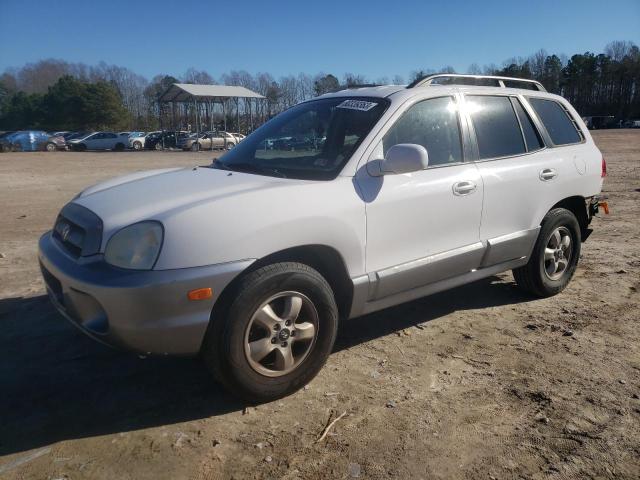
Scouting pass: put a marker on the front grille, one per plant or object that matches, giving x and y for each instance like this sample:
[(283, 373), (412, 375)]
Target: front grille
[(78, 230), (53, 284)]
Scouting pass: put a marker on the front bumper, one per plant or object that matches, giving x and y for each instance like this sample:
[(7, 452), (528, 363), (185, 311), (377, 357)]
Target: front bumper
[(143, 311)]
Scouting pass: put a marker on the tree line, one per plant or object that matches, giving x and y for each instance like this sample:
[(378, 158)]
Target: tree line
[(57, 95)]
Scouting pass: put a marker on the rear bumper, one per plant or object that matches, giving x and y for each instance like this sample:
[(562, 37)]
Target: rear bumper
[(143, 311)]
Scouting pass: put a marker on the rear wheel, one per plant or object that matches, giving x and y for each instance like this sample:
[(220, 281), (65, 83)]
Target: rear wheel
[(51, 147), (195, 147), (555, 255), (275, 334), (119, 147), (158, 146), (137, 145)]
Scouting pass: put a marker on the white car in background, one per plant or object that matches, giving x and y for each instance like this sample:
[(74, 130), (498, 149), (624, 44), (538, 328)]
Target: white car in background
[(98, 141), (136, 140)]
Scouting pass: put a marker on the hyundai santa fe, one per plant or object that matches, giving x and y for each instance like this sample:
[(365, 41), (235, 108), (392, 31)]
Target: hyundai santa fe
[(253, 260)]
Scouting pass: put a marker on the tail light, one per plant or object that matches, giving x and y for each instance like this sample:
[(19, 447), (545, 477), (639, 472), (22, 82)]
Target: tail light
[(604, 168)]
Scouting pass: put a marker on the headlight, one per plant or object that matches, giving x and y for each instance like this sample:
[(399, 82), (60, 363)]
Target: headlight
[(136, 247)]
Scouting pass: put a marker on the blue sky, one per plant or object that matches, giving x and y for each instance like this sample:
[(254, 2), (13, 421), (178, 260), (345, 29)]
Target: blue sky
[(374, 38)]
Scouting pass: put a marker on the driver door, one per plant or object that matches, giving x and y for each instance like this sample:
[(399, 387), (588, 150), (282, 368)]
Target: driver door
[(423, 227)]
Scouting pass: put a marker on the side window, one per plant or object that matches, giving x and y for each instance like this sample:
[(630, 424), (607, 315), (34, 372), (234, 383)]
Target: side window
[(531, 135), (497, 129), (558, 122), (433, 124), (110, 135)]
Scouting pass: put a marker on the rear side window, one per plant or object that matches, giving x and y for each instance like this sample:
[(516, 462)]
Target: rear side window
[(531, 136), (497, 129), (557, 121), (433, 124)]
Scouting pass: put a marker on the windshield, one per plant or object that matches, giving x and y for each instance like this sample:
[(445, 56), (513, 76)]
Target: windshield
[(312, 141)]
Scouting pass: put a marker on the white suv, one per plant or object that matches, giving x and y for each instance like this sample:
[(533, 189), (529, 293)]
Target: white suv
[(381, 195)]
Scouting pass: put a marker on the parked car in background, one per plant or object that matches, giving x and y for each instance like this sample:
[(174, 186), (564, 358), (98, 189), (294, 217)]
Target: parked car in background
[(32, 141), (208, 141), (161, 140), (138, 139), (98, 141), (239, 136), (72, 135)]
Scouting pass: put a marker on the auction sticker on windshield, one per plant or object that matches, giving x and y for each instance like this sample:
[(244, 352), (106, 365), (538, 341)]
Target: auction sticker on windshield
[(361, 105)]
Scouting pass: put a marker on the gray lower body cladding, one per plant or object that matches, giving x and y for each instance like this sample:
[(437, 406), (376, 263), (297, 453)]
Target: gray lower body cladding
[(442, 271), (143, 311)]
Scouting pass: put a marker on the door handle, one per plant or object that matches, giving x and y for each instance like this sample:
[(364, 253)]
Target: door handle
[(464, 188), (547, 174)]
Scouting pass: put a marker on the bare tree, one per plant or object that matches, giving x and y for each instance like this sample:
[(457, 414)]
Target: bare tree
[(618, 49), (474, 69)]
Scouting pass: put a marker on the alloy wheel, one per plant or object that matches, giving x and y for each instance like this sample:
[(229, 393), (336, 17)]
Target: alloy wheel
[(557, 254), (281, 334)]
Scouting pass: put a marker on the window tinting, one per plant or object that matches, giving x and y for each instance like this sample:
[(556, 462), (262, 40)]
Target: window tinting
[(531, 135), (556, 120), (434, 125), (496, 126)]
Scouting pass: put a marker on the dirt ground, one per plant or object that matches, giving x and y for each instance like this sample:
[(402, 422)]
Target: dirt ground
[(478, 382)]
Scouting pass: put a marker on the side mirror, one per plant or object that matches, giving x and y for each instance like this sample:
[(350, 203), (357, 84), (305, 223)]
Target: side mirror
[(405, 158)]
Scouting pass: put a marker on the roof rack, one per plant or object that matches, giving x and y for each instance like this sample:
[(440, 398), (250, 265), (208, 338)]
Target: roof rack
[(459, 79)]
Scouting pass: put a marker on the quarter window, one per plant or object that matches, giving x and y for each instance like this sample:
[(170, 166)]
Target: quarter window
[(531, 135), (497, 129), (433, 124), (560, 125)]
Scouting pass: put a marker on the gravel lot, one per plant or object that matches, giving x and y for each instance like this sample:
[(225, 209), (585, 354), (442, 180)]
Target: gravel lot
[(478, 382)]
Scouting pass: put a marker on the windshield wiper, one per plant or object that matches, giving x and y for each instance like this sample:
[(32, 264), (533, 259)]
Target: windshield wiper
[(246, 167)]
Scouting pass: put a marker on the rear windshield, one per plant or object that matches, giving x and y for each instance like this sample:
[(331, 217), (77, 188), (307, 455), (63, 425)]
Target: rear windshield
[(557, 121), (313, 140)]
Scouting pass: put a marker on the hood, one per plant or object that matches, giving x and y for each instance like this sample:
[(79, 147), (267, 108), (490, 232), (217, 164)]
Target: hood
[(158, 194)]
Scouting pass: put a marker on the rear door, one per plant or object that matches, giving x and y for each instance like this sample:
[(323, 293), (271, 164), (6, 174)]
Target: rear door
[(520, 176), (110, 140)]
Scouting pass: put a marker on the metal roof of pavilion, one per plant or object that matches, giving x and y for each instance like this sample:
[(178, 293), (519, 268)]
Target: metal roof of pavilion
[(182, 92)]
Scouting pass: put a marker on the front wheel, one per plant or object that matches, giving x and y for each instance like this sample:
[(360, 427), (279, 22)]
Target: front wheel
[(275, 334), (158, 146), (555, 255), (51, 147), (137, 145), (195, 147)]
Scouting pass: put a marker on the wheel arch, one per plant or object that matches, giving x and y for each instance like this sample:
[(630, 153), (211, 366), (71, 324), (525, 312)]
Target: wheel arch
[(578, 206), (323, 258)]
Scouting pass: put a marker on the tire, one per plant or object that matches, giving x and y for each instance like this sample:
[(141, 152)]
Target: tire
[(50, 147), (158, 146), (195, 147), (229, 146), (137, 146), (119, 147), (547, 277), (226, 350), (81, 147)]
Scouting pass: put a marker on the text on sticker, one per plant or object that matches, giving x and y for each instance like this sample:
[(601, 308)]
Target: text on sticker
[(361, 105)]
